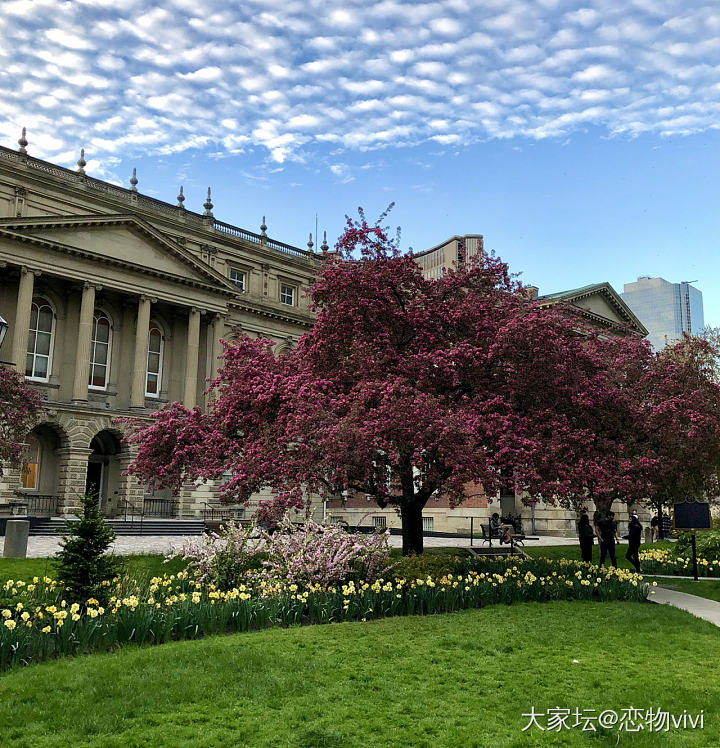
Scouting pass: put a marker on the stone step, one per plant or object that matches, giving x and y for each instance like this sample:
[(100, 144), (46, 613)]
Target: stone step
[(123, 527)]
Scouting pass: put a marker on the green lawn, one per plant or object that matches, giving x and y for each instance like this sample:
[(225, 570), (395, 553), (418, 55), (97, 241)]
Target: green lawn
[(573, 552), (140, 566), (452, 680), (709, 588)]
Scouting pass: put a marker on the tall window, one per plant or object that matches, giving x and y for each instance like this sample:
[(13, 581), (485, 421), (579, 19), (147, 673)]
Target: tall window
[(238, 278), (40, 338), (287, 294), (100, 351), (153, 376)]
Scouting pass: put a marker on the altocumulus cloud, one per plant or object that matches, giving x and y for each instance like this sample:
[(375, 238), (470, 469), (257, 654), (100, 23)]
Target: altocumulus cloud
[(287, 75)]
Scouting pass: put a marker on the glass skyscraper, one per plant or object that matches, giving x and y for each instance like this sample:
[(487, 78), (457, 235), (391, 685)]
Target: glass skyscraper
[(666, 309)]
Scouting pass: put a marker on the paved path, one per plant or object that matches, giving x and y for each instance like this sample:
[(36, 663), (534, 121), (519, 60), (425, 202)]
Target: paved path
[(41, 546), (709, 610)]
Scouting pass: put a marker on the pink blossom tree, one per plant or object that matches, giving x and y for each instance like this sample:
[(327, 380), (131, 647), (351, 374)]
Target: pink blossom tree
[(408, 388), (19, 410)]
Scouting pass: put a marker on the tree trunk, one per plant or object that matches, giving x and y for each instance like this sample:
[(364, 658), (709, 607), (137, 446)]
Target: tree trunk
[(412, 528)]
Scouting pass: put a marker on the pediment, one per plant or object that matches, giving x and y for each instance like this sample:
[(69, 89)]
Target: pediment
[(121, 239), (602, 304)]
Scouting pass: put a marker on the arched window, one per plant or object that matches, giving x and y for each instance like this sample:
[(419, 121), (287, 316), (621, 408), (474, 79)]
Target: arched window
[(153, 376), (40, 341), (100, 351)]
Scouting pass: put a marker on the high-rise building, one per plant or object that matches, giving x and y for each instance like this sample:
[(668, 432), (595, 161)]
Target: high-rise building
[(666, 309)]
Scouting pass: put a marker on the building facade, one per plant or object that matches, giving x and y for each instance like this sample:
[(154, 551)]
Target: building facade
[(666, 309), (117, 304)]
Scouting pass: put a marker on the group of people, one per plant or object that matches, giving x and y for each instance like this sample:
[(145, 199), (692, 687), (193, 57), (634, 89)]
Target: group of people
[(607, 534)]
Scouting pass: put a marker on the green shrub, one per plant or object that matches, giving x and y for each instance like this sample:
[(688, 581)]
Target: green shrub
[(707, 543), (419, 567), (83, 566)]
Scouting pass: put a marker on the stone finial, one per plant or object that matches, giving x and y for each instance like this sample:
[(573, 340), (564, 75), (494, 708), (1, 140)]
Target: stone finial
[(81, 162), (22, 142), (133, 181), (263, 228), (208, 205), (310, 244), (181, 199), (324, 246)]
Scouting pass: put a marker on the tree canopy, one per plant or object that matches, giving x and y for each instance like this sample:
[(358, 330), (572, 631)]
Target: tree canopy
[(19, 409), (408, 388)]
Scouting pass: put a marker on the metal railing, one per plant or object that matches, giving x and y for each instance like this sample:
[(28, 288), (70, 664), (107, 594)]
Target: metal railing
[(213, 512), (41, 505), (160, 508)]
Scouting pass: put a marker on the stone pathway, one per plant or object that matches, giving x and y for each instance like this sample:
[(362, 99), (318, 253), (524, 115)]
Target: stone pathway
[(708, 610), (41, 546)]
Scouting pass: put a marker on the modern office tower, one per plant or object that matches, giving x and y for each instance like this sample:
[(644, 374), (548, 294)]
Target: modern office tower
[(666, 309)]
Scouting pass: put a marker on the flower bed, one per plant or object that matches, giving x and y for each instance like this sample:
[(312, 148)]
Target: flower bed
[(662, 561), (39, 624)]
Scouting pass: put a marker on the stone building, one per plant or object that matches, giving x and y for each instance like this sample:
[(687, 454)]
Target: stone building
[(117, 303)]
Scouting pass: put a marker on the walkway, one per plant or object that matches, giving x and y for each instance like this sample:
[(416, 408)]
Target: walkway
[(709, 610), (42, 545)]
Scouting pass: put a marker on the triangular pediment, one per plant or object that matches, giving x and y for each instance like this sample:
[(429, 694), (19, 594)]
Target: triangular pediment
[(122, 239), (601, 304)]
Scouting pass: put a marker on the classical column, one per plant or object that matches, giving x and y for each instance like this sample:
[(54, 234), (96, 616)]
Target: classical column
[(216, 350), (82, 356), (22, 318), (191, 358), (137, 393)]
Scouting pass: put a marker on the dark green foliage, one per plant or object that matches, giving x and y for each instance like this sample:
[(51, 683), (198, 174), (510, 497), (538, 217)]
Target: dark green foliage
[(230, 570), (83, 563), (707, 543)]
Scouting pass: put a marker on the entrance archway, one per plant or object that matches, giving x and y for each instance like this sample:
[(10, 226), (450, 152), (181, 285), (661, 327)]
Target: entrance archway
[(103, 470)]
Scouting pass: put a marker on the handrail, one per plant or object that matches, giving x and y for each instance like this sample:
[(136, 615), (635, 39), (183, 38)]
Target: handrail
[(213, 511)]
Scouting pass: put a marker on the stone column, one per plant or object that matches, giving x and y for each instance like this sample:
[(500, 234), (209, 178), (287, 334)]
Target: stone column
[(22, 319), (82, 356), (137, 394), (72, 476), (192, 350), (216, 349)]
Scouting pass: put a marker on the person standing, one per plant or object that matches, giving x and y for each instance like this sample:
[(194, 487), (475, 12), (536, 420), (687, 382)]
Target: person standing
[(607, 535), (655, 526), (586, 536), (634, 537)]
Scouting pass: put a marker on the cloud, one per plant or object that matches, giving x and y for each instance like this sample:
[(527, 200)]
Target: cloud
[(140, 77)]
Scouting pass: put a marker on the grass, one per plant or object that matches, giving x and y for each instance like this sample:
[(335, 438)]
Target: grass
[(709, 589), (141, 566), (573, 552), (452, 680)]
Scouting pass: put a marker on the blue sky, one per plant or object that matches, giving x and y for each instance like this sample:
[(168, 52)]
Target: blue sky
[(581, 139)]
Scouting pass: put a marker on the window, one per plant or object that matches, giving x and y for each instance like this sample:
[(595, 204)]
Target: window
[(31, 468), (40, 338), (380, 522), (239, 278), (428, 524), (153, 377), (100, 351), (287, 294)]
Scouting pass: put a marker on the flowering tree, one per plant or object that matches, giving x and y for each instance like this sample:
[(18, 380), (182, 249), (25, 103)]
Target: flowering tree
[(678, 449), (407, 388), (19, 409)]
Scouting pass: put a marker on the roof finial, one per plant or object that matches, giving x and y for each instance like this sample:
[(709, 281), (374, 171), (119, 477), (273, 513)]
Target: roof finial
[(181, 199), (263, 228), (324, 246), (310, 243), (133, 181), (23, 142), (208, 205), (81, 162)]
